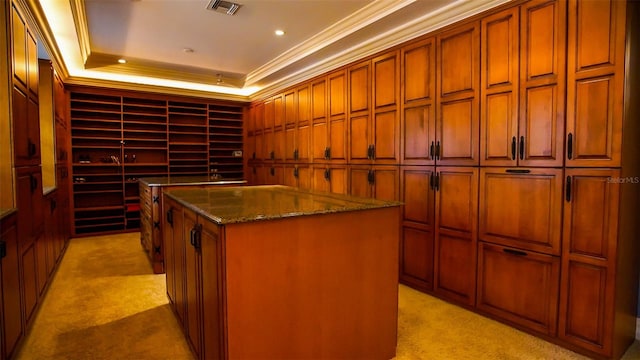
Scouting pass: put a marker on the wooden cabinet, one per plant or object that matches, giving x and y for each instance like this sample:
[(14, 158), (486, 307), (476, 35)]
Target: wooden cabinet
[(193, 282), (523, 52), (595, 82), (173, 225), (330, 178), (11, 319), (418, 226), (519, 286), (542, 82), (26, 128), (297, 176), (337, 110), (374, 110), (522, 208), (30, 203), (590, 228), (298, 124), (380, 182), (456, 223), (418, 127), (457, 96)]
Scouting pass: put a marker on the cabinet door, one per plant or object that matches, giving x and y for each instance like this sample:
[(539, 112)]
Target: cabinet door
[(418, 217), (32, 64), (522, 208), (179, 263), (22, 145), (519, 286), (360, 181), (30, 279), (542, 82), (11, 294), (359, 112), (319, 136), (499, 90), (169, 222), (303, 132), (456, 233), (385, 182), (418, 93), (457, 126), (589, 247), (192, 271), (212, 310), (337, 96), (19, 46), (386, 94), (595, 82)]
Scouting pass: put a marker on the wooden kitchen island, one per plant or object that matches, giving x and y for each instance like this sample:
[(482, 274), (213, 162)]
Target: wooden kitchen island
[(150, 190), (274, 272)]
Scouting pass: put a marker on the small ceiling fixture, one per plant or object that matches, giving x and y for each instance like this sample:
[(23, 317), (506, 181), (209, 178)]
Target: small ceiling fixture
[(122, 61), (222, 6), (187, 50), (279, 32)]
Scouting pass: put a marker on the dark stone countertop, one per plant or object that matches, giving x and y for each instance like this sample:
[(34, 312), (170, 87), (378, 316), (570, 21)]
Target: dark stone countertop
[(228, 205), (187, 180)]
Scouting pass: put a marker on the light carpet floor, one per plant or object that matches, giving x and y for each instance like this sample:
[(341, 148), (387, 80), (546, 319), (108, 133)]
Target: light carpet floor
[(105, 303)]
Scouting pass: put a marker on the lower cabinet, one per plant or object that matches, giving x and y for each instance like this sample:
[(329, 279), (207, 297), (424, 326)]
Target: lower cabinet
[(193, 259), (11, 299), (519, 286), (438, 245)]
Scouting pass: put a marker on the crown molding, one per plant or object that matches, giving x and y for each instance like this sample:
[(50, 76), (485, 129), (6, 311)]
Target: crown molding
[(80, 81), (79, 14), (423, 25), (356, 21)]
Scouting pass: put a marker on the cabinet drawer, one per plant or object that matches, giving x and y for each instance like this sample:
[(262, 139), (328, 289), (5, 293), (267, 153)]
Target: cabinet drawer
[(519, 286), (522, 208)]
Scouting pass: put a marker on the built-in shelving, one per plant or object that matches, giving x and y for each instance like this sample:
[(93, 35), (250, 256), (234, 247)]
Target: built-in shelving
[(117, 139), (225, 139)]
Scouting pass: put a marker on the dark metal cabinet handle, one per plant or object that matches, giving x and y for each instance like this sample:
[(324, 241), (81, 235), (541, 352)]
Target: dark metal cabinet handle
[(272, 171), (518, 171), (196, 236), (513, 148), (371, 178), (34, 183), (192, 236), (437, 182), (521, 147), (431, 149), (3, 249), (272, 155), (570, 146), (295, 154), (327, 174), (170, 217), (253, 156), (567, 189), (515, 252), (327, 153), (295, 173), (373, 152), (53, 205), (368, 151), (156, 224), (438, 150)]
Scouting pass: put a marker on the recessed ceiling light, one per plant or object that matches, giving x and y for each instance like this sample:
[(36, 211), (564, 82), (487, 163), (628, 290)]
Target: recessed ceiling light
[(122, 61), (187, 50), (279, 32)]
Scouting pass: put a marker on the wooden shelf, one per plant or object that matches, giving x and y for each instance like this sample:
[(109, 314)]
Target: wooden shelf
[(166, 137)]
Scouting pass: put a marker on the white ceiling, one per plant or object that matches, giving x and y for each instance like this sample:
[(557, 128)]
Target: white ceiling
[(236, 56)]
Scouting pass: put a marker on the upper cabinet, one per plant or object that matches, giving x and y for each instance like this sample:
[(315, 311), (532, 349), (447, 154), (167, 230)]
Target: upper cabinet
[(26, 138), (595, 82), (418, 127), (523, 59), (457, 95), (373, 110)]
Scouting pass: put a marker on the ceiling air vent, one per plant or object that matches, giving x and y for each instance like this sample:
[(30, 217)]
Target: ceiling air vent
[(222, 6)]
